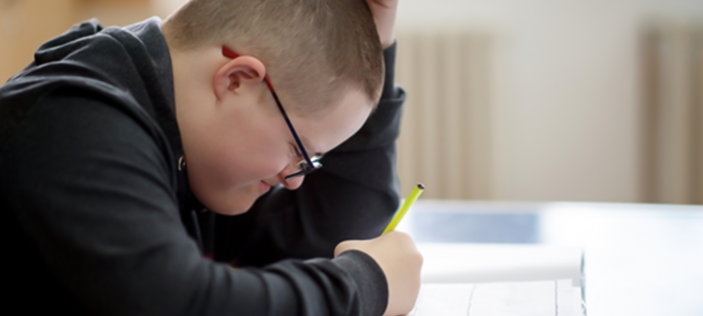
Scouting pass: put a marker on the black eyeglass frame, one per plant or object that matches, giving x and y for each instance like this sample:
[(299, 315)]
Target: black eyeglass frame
[(308, 165)]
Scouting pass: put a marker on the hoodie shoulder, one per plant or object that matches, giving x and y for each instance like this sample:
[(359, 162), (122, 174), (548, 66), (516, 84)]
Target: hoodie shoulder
[(83, 29), (67, 41), (118, 67)]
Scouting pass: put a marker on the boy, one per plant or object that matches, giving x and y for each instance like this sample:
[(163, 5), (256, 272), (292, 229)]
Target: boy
[(117, 145)]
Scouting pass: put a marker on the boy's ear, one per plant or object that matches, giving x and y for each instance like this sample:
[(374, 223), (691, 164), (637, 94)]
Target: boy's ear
[(238, 73)]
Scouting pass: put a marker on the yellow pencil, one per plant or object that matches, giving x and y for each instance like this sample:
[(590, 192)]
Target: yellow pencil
[(404, 208)]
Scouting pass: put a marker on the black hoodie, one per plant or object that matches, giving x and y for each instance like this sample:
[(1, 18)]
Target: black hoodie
[(100, 219)]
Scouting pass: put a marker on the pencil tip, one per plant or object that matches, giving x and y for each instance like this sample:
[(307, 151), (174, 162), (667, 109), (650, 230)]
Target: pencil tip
[(421, 186)]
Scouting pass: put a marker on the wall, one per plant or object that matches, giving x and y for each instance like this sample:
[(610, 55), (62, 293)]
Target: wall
[(26, 24), (566, 98)]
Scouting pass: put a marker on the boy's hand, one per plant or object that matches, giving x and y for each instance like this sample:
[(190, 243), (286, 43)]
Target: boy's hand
[(384, 12), (396, 254)]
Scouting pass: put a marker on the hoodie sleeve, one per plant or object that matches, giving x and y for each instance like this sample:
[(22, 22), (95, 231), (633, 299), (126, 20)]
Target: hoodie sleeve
[(353, 196)]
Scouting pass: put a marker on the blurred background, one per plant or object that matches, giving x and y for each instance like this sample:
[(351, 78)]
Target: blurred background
[(517, 100)]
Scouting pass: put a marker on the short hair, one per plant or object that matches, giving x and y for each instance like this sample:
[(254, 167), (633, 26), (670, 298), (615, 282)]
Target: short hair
[(313, 49)]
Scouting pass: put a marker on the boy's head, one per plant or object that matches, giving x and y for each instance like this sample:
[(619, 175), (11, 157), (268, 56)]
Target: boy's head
[(313, 49), (324, 60)]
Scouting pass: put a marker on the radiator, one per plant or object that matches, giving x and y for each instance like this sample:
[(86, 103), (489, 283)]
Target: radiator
[(445, 140), (672, 121)]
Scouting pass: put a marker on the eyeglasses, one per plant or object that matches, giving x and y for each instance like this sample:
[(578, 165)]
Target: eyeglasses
[(306, 166)]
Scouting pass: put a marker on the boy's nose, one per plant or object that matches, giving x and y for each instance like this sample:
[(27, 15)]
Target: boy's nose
[(292, 183)]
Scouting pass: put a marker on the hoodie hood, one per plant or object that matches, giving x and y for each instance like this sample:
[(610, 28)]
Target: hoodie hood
[(131, 66), (127, 68)]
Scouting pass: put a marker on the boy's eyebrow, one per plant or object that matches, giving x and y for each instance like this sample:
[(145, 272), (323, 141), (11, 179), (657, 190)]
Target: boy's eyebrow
[(306, 143)]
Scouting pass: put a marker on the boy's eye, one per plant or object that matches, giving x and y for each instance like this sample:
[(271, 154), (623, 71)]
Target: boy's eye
[(296, 150)]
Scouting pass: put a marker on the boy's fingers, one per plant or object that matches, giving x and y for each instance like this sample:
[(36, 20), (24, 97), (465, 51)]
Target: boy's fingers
[(398, 257), (385, 3), (384, 12)]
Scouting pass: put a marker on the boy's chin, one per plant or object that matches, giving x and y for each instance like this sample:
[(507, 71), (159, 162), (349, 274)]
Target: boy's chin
[(232, 202), (236, 207)]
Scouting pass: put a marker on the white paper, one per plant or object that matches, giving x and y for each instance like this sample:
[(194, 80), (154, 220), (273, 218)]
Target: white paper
[(480, 263), (534, 298)]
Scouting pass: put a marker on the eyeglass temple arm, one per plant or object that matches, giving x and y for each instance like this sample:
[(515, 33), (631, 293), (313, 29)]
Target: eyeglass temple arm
[(290, 126), (231, 54)]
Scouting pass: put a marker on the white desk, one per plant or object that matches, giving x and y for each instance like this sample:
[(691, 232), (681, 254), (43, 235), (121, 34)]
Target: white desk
[(640, 259)]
